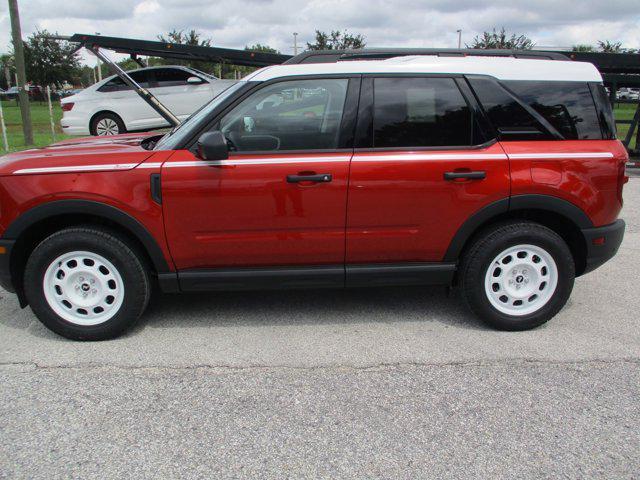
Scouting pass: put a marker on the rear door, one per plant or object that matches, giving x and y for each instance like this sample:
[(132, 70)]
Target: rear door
[(423, 164)]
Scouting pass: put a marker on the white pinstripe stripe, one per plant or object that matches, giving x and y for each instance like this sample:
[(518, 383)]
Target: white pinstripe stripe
[(275, 161), (150, 165), (435, 156), (284, 161), (77, 168), (533, 156)]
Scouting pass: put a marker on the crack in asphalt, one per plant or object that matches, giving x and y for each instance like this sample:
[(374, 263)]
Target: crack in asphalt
[(34, 366)]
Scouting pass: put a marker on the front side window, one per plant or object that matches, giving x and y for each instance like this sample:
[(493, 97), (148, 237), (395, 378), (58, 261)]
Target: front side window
[(568, 106), (420, 112), (171, 77), (291, 115)]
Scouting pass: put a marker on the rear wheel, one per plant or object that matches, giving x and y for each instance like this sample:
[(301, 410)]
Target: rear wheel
[(517, 276), (105, 124), (85, 283)]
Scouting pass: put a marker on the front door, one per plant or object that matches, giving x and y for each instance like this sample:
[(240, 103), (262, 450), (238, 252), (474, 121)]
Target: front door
[(422, 169), (280, 198)]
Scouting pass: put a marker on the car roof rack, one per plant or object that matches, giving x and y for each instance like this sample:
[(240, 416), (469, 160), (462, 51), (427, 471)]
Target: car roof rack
[(332, 56)]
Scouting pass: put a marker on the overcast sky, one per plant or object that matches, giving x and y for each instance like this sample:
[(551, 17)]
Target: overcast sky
[(384, 23)]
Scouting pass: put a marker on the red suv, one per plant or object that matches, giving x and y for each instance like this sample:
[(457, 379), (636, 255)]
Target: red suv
[(500, 176)]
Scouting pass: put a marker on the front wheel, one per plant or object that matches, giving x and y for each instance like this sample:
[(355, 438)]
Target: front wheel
[(86, 283), (517, 275)]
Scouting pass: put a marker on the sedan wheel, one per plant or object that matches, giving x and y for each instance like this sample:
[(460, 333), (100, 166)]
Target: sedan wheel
[(107, 126)]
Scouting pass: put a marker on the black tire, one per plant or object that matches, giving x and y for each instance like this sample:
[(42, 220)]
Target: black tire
[(93, 128), (136, 287), (487, 246)]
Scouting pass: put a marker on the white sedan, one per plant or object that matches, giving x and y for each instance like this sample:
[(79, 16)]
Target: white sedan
[(110, 107)]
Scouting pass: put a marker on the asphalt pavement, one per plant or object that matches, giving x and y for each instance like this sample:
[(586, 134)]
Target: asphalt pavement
[(382, 383)]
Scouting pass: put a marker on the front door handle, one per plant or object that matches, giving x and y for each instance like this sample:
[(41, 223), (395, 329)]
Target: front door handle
[(477, 175), (320, 177)]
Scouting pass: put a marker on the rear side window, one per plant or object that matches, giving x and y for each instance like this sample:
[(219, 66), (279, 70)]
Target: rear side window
[(116, 84), (568, 106), (420, 112)]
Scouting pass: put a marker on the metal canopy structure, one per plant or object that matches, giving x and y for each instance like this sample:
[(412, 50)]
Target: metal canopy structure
[(134, 48)]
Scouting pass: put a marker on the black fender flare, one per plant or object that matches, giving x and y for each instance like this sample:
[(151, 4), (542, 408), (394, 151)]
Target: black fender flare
[(549, 203), (89, 207)]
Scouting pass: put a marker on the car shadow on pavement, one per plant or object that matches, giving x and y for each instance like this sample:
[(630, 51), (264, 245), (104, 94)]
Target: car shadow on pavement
[(308, 307), (386, 305)]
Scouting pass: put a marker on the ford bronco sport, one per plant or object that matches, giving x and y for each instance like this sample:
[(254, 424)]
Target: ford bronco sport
[(500, 176)]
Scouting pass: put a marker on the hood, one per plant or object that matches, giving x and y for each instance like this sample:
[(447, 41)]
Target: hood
[(118, 152)]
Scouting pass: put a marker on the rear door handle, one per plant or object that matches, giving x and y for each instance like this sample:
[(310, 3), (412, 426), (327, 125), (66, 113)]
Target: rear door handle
[(320, 177), (477, 175)]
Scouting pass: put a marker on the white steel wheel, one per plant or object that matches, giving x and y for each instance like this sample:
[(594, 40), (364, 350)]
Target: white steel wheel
[(83, 288), (107, 126), (521, 280)]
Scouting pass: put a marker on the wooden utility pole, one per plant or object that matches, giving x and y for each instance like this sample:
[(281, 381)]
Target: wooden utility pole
[(18, 53)]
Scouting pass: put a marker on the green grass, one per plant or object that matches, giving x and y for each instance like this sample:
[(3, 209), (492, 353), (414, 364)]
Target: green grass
[(39, 120), (42, 128), (625, 111)]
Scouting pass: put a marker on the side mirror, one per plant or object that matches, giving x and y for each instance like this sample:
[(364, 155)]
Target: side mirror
[(194, 80), (212, 146)]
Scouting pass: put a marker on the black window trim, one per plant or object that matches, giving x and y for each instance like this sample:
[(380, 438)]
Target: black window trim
[(364, 128), (347, 125), (608, 132)]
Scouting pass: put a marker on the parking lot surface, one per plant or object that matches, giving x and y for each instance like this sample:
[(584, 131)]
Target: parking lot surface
[(394, 383)]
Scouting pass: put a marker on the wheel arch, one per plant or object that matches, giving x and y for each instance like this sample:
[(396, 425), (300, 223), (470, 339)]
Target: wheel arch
[(30, 228), (558, 214)]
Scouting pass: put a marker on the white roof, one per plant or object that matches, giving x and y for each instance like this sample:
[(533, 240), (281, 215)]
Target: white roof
[(503, 68)]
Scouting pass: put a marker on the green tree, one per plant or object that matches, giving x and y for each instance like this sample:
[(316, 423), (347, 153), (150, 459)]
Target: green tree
[(192, 37), (498, 40), (6, 70), (48, 61), (582, 48), (336, 40), (607, 46), (258, 47)]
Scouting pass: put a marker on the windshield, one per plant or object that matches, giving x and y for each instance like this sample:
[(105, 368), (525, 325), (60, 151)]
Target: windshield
[(179, 133)]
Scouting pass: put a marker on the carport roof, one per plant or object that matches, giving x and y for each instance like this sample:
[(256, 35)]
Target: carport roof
[(150, 48)]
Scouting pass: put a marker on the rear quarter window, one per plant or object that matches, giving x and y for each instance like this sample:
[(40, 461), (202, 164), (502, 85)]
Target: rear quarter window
[(568, 106), (506, 113)]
